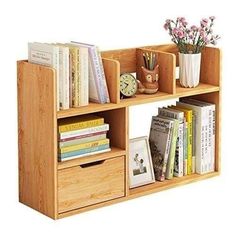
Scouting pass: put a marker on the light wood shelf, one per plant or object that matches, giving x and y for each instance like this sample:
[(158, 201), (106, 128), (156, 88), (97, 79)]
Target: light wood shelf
[(115, 152), (139, 99), (59, 189)]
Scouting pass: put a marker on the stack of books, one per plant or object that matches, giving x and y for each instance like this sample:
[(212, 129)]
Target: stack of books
[(82, 136), (182, 139), (80, 76)]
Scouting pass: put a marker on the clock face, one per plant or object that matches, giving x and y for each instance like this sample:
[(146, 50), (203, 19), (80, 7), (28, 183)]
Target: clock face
[(128, 85)]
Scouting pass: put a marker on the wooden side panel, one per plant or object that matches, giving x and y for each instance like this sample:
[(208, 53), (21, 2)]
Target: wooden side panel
[(166, 62), (170, 48), (112, 73), (118, 131), (89, 184), (37, 137), (126, 57), (216, 99), (211, 66)]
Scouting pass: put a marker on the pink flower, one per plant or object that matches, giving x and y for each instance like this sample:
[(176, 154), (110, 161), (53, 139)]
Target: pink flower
[(181, 34), (166, 26), (168, 21), (194, 28), (204, 22), (175, 31)]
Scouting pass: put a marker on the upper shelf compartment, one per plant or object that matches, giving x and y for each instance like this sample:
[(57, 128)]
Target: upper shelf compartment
[(210, 63)]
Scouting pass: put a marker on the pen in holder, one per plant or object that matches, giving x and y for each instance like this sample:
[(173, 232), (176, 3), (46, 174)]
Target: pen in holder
[(148, 82)]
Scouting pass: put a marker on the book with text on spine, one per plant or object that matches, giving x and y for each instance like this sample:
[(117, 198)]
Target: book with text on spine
[(160, 142), (81, 122), (84, 152), (83, 146), (82, 133), (98, 91)]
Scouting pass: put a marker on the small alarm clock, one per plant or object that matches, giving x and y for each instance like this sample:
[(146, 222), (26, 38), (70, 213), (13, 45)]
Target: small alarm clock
[(128, 85)]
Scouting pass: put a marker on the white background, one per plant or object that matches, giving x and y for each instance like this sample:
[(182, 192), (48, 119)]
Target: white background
[(203, 208)]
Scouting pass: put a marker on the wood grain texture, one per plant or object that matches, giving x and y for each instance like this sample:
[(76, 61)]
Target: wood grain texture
[(112, 73), (118, 128), (170, 48), (145, 190), (167, 64), (126, 57), (115, 152), (139, 99), (79, 186), (211, 66), (37, 137)]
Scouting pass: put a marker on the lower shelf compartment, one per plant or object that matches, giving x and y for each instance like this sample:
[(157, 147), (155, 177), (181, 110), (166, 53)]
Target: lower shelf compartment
[(176, 181), (145, 190)]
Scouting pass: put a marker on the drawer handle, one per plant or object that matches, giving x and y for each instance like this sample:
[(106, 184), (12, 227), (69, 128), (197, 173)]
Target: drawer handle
[(92, 164)]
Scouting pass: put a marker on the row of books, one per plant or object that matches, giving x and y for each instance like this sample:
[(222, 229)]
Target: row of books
[(182, 139), (82, 136), (80, 76)]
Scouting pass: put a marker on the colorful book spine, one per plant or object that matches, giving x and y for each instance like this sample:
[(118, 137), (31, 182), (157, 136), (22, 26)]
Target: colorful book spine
[(188, 116), (185, 166), (87, 139), (179, 158), (84, 77), (83, 146), (97, 72), (81, 152), (171, 159), (80, 124), (160, 142), (81, 133), (73, 75)]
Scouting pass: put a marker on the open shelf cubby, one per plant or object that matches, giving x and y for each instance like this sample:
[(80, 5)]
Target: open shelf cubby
[(59, 189)]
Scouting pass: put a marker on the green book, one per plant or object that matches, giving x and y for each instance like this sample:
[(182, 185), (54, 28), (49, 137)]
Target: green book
[(171, 158)]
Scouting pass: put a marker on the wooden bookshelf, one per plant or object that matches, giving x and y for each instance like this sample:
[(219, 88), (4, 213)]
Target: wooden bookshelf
[(59, 189)]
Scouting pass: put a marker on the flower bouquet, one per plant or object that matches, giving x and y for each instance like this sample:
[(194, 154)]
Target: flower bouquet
[(190, 41)]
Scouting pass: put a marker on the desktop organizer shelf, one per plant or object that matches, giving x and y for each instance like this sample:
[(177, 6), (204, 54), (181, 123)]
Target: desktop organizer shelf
[(59, 189)]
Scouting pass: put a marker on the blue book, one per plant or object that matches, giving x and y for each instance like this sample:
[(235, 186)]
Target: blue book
[(82, 152)]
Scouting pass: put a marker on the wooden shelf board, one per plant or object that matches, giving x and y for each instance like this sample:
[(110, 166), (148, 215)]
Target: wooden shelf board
[(139, 99), (92, 107), (159, 186), (115, 152), (144, 190), (200, 89)]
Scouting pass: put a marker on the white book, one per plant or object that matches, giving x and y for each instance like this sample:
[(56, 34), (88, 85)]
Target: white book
[(64, 76), (201, 157), (210, 116), (80, 132), (46, 55), (97, 80), (179, 154), (84, 76)]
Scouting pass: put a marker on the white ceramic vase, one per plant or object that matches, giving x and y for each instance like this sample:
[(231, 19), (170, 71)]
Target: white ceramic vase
[(189, 69)]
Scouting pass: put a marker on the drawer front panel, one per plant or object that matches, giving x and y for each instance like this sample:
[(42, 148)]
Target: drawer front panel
[(91, 183)]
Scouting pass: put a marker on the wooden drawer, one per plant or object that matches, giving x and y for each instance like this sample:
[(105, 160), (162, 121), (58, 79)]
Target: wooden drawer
[(91, 183)]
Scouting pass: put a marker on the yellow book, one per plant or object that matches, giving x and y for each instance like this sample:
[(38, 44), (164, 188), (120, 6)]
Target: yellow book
[(84, 146), (75, 75), (81, 122), (188, 114)]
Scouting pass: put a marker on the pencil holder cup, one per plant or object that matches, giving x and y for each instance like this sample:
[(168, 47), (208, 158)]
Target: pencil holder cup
[(149, 80)]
